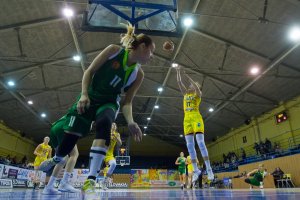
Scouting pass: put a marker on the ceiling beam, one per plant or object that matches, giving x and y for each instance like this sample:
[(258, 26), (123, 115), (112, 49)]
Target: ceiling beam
[(270, 66), (239, 47), (34, 23), (52, 62), (202, 73)]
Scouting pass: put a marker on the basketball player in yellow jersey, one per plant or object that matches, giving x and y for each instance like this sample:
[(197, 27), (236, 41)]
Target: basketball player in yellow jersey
[(190, 170), (43, 151), (193, 122), (109, 158)]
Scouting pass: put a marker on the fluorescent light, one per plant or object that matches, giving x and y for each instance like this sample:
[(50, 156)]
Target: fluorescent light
[(156, 106), (148, 118), (68, 12), (30, 102), (181, 135), (43, 115), (76, 58), (188, 22), (160, 89), (254, 70), (11, 83), (174, 65), (145, 134), (211, 110), (295, 34), (145, 127)]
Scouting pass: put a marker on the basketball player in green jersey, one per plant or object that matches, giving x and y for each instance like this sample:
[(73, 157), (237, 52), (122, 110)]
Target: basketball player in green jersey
[(181, 162), (114, 71), (258, 177)]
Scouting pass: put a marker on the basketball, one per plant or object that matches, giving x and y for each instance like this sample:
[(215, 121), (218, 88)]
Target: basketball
[(168, 46)]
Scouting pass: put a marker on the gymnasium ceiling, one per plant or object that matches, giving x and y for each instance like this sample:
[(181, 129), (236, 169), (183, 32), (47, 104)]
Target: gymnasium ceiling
[(36, 49)]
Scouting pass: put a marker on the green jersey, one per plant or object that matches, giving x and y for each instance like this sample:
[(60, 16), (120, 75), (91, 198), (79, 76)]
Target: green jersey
[(113, 78), (259, 175), (181, 162)]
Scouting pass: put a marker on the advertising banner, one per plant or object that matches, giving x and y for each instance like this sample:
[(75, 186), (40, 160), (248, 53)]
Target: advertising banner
[(23, 174), (10, 172), (158, 177), (6, 183), (79, 176), (173, 178), (1, 170), (19, 183), (140, 178)]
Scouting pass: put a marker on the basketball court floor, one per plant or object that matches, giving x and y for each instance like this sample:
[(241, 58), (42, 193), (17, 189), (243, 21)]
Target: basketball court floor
[(274, 194)]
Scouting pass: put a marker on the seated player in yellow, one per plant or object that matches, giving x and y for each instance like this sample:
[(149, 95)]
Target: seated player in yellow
[(43, 151), (110, 159), (193, 122)]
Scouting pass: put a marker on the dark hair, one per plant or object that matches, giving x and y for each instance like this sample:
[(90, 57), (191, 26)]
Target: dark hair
[(132, 41)]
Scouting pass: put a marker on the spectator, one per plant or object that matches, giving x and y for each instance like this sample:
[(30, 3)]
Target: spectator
[(24, 160), (14, 160), (243, 154), (256, 147), (224, 158), (268, 145), (277, 148), (277, 174)]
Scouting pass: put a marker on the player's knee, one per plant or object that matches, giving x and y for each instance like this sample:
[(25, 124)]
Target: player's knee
[(103, 125), (113, 163)]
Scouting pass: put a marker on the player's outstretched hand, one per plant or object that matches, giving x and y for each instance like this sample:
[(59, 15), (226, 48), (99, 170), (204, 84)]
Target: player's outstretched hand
[(135, 131)]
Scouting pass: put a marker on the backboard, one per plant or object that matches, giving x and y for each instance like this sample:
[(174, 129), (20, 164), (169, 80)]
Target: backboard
[(153, 17)]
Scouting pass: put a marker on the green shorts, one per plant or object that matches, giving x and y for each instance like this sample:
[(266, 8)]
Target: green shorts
[(252, 181), (181, 171), (57, 132), (81, 124)]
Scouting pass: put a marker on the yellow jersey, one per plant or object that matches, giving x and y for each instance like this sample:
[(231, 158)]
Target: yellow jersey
[(191, 103), (113, 142), (44, 150)]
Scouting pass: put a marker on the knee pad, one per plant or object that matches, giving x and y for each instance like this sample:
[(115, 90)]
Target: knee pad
[(103, 125), (190, 144)]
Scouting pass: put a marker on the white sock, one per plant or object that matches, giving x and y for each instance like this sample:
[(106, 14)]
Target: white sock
[(66, 177), (97, 154), (51, 182), (190, 144), (203, 149), (112, 166), (207, 164)]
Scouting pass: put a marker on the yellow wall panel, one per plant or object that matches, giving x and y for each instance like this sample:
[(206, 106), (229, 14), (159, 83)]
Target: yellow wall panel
[(261, 127), (13, 144)]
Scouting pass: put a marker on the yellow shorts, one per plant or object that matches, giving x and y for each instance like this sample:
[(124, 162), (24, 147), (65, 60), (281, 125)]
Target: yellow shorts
[(38, 161), (109, 158), (193, 123)]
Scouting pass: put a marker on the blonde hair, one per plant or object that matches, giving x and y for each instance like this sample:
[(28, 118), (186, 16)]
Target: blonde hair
[(132, 41)]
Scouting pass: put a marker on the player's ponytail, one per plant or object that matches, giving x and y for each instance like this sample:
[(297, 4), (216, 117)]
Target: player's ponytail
[(132, 41)]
